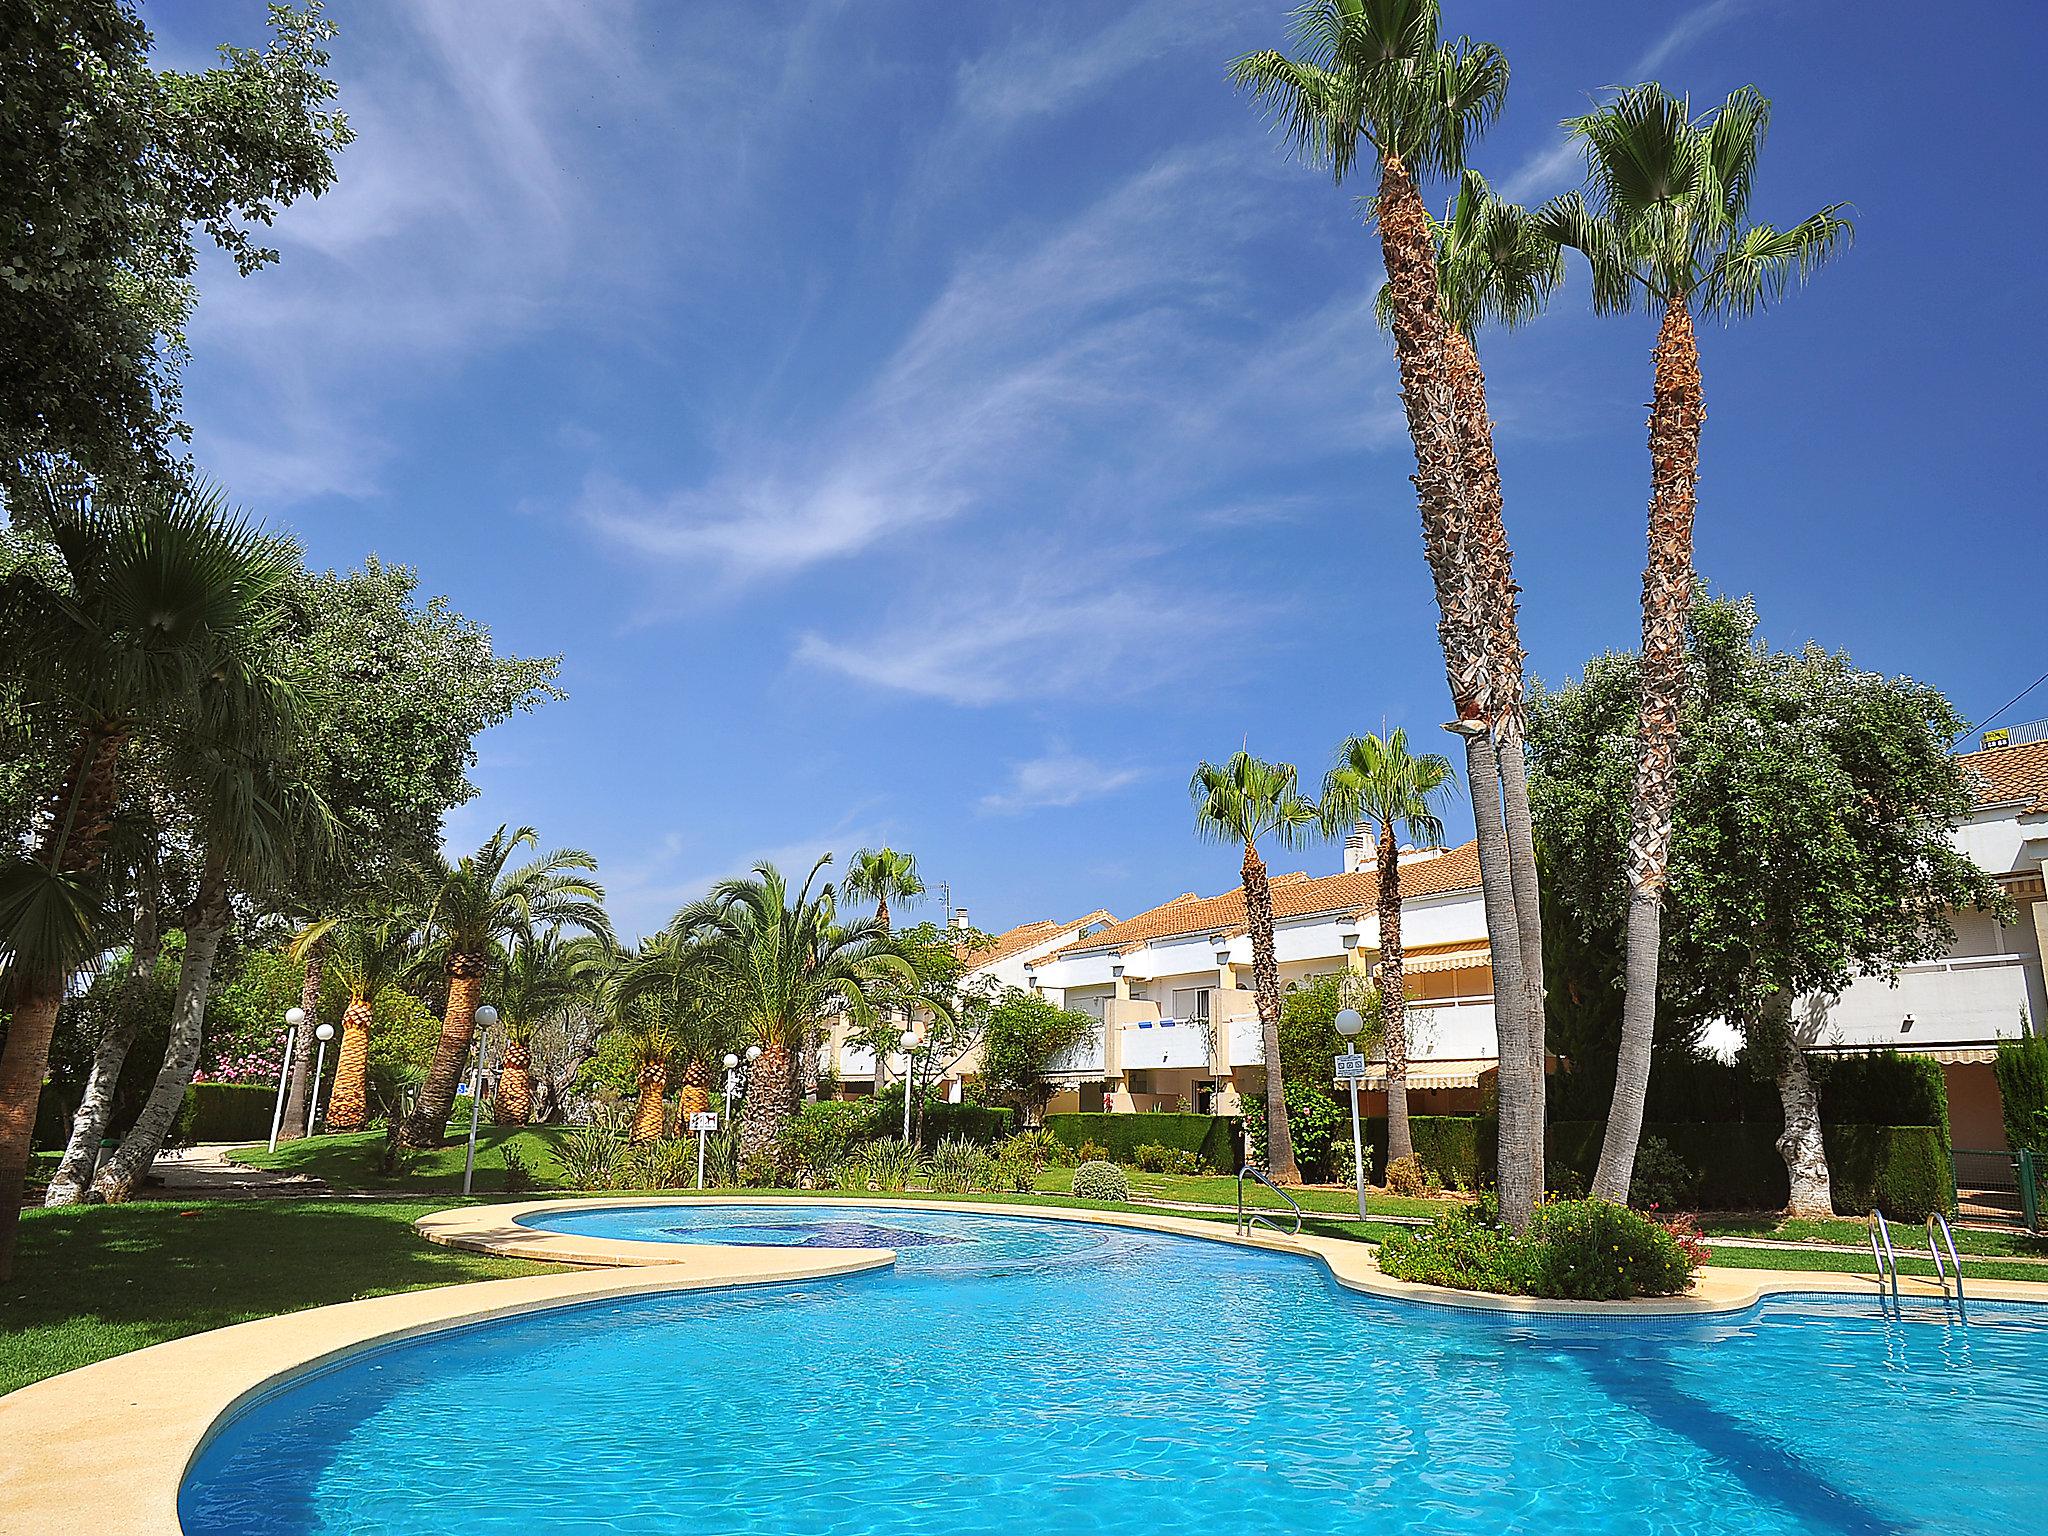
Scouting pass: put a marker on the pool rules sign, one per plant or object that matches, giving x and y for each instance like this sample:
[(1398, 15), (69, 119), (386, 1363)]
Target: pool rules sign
[(1350, 1067), (703, 1123)]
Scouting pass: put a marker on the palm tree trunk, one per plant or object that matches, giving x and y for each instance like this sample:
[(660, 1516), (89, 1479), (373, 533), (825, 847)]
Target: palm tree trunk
[(1677, 412), (348, 1106), (647, 1112), (1393, 997), (769, 1102), (206, 924), (81, 817), (297, 1116), (96, 1105), (1521, 843), (1258, 907), (695, 1097), (1429, 398), (515, 1085), (427, 1126)]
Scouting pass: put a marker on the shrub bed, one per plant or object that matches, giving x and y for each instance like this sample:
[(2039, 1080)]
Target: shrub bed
[(1212, 1138), (1579, 1250), (1101, 1181)]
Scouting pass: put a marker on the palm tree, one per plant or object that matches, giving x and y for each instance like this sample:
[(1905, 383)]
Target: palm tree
[(671, 976), (651, 1046), (1668, 230), (1377, 782), (1376, 74), (1496, 264), (543, 974), (154, 597), (1243, 801), (883, 875), (480, 905), (364, 956), (783, 962)]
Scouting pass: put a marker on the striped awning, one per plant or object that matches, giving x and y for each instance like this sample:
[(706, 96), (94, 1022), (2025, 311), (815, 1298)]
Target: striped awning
[(1455, 957), (1437, 1074)]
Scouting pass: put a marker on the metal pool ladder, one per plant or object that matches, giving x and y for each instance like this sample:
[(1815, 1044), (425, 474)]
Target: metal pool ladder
[(1887, 1260), (1937, 1225), (1246, 1218)]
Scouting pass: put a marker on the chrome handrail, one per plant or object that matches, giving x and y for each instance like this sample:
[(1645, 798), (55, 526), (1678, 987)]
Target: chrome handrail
[(1888, 1259), (1936, 1222), (1245, 1220)]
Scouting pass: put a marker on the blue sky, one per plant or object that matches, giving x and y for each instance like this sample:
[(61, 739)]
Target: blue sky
[(944, 424)]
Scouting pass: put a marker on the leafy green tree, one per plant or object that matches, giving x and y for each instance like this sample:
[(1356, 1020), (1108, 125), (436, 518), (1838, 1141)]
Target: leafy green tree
[(1812, 841), (1243, 801), (108, 166), (1377, 77), (1668, 229), (1379, 784), (1022, 1040)]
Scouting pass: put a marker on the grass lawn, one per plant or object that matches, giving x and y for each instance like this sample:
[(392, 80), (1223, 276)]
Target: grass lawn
[(351, 1164), (97, 1280), (1221, 1189), (1851, 1230)]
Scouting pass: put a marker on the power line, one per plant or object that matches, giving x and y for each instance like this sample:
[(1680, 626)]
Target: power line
[(2008, 704)]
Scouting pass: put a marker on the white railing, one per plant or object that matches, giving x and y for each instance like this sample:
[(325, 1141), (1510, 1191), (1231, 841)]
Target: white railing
[(1968, 997), (1146, 1043)]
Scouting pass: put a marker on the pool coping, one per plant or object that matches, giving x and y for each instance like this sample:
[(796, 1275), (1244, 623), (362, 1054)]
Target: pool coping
[(139, 1420)]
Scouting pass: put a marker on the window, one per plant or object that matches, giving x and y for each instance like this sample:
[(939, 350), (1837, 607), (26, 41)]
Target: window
[(1191, 1003)]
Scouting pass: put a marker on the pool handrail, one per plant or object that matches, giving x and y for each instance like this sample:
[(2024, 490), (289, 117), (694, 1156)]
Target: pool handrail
[(1245, 1219), (1938, 1223), (1887, 1260)]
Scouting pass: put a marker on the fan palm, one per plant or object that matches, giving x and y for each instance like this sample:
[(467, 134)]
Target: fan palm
[(1242, 801), (480, 904), (1667, 230), (1376, 76), (1378, 782), (543, 974), (364, 956), (783, 962), (157, 599), (881, 875)]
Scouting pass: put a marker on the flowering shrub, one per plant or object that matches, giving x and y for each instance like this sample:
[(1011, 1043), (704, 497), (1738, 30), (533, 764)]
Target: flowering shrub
[(1582, 1250)]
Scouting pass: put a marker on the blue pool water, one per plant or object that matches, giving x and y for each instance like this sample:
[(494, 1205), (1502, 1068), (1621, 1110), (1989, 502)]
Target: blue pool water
[(1032, 1378)]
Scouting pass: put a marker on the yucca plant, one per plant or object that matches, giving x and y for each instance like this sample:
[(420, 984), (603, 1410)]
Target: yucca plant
[(891, 1165), (957, 1166)]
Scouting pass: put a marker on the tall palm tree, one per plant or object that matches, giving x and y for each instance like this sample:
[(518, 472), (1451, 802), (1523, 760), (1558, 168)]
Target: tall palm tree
[(784, 962), (881, 875), (1242, 801), (1376, 75), (364, 956), (1497, 265), (1377, 782), (671, 975), (1668, 231), (156, 597), (543, 974), (481, 904)]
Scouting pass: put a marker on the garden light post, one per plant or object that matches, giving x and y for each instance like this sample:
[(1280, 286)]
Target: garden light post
[(908, 1039), (293, 1018), (323, 1034), (732, 1077), (486, 1016), (1349, 1023)]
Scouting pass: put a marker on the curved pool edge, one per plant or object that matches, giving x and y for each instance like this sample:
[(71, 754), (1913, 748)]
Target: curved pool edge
[(106, 1447)]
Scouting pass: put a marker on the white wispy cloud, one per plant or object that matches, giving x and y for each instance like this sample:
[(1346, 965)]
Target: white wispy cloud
[(1055, 779)]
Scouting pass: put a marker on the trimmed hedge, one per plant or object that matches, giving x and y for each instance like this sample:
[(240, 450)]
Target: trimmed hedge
[(1737, 1161), (1903, 1170), (225, 1112), (1884, 1088), (2022, 1070), (1211, 1137)]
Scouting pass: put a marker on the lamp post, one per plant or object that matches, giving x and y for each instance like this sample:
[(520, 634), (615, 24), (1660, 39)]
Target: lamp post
[(908, 1040), (323, 1034), (1349, 1023), (293, 1018), (486, 1016), (732, 1077)]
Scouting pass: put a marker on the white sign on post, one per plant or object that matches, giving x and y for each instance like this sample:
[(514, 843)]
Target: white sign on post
[(704, 1121), (1350, 1067)]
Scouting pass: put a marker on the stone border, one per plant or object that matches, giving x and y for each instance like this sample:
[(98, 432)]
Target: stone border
[(139, 1420)]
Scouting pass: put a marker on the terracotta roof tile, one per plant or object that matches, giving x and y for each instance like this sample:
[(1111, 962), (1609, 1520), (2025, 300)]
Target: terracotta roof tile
[(1025, 935), (2003, 775), (1454, 870)]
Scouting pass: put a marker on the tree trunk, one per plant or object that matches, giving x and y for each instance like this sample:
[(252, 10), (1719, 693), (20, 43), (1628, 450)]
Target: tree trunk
[(1520, 1172), (648, 1111), (1521, 847), (427, 1126), (1393, 997), (80, 818), (297, 1116), (1806, 1158), (348, 1105), (96, 1106), (1676, 414), (1258, 907), (769, 1101), (515, 1085), (206, 924), (695, 1097)]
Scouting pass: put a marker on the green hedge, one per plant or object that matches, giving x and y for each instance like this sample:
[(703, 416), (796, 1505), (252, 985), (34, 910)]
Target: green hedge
[(225, 1112), (1883, 1088), (1903, 1170), (1211, 1137), (1737, 1161), (2022, 1069)]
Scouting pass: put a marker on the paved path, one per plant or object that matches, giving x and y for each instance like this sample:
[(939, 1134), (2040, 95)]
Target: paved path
[(204, 1171)]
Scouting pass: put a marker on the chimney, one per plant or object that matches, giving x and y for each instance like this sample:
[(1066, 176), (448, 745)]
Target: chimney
[(959, 919), (1361, 853)]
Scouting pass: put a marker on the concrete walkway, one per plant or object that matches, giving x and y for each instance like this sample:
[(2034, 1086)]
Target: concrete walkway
[(204, 1172)]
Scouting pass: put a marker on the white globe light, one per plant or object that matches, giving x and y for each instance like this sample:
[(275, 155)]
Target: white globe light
[(731, 1061), (909, 1038), (1348, 1022), (324, 1033), (295, 1017), (753, 1053), (487, 1015)]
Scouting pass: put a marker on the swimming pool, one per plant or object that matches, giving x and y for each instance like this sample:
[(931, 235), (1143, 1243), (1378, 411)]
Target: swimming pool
[(1023, 1376)]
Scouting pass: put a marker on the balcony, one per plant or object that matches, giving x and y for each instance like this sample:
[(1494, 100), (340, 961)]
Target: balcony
[(1964, 1001), (1148, 1043), (1084, 1063)]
